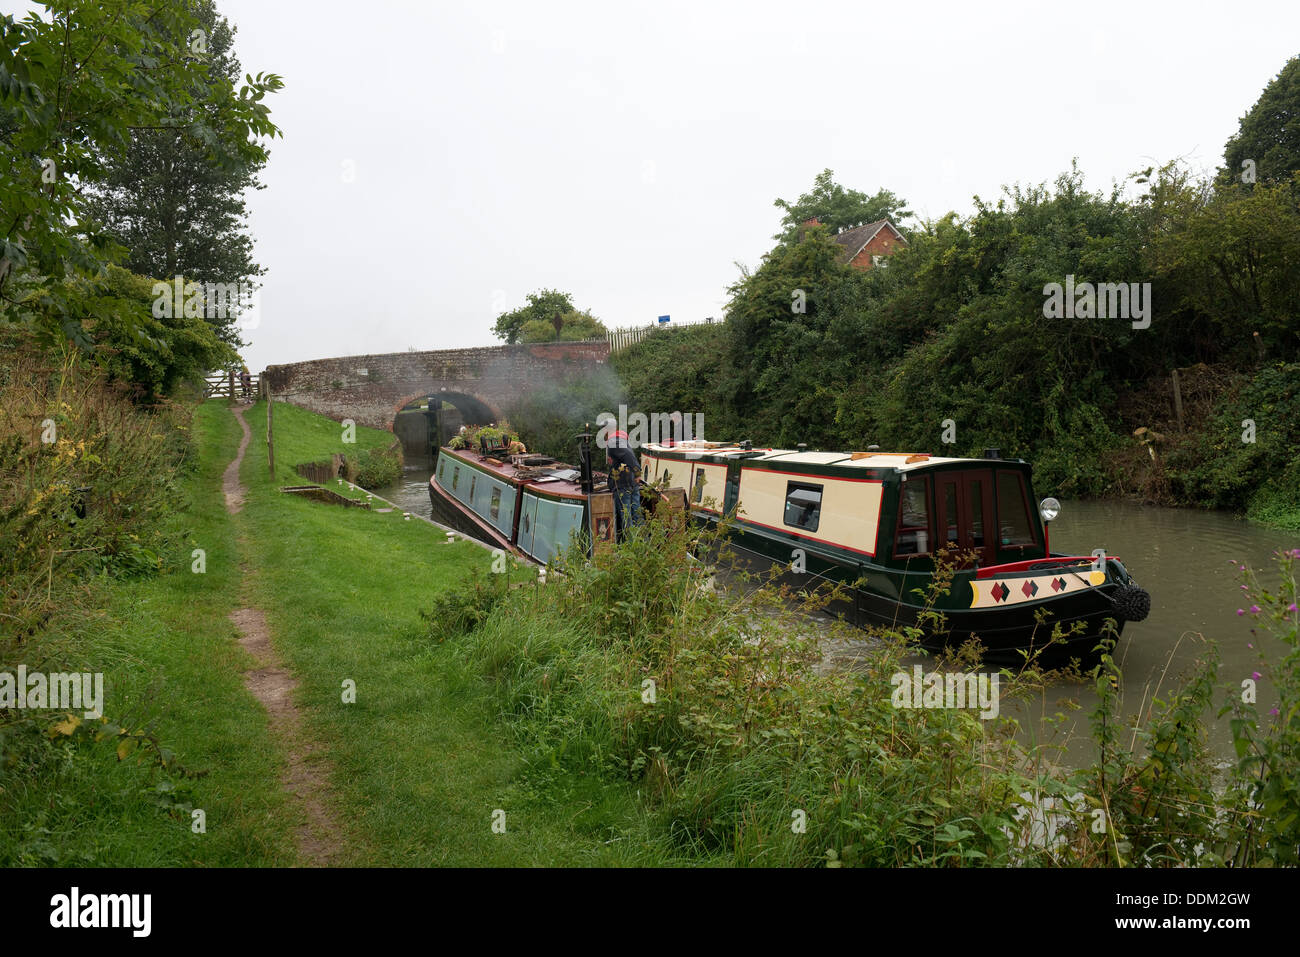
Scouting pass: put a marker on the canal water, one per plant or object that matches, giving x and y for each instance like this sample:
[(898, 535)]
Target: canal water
[(1183, 557), (412, 492)]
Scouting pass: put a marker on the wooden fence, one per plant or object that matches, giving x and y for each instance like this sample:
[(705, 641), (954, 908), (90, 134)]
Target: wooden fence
[(620, 339), (230, 385)]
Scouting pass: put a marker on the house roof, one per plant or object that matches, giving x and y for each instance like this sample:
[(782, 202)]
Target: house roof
[(854, 239)]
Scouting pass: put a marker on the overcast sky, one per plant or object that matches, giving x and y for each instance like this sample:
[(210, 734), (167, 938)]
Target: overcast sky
[(441, 160)]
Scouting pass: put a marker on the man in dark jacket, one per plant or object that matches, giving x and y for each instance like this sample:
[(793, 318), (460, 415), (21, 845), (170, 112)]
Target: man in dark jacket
[(624, 472)]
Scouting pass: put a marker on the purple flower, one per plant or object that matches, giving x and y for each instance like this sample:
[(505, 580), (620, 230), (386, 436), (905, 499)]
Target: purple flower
[(1243, 587), (1241, 611), (1255, 675), (1291, 607), (1254, 609), (1273, 712), (1249, 645)]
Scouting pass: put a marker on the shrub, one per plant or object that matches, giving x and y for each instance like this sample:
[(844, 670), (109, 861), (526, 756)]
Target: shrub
[(374, 468)]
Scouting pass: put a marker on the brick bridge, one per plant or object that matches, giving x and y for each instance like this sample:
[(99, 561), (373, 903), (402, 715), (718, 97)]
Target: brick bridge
[(370, 390)]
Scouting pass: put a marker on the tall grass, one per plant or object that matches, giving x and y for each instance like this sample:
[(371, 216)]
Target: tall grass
[(633, 667)]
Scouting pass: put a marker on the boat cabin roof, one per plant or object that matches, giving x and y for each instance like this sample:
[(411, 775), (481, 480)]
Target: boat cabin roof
[(892, 461)]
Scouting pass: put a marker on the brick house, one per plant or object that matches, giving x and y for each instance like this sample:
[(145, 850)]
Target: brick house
[(864, 246)]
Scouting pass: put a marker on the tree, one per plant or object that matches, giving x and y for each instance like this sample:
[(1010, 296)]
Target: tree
[(75, 84), (151, 349), (574, 326), (542, 306), (176, 212), (838, 208), (1231, 258), (1269, 135)]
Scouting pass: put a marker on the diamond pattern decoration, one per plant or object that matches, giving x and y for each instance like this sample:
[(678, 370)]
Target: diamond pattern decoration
[(1000, 591), (1030, 588)]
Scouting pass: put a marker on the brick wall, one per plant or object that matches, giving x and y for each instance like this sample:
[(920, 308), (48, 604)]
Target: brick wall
[(884, 243)]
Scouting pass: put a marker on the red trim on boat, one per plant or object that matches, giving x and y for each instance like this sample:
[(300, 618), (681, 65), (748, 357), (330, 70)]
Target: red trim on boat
[(1012, 567), (754, 467)]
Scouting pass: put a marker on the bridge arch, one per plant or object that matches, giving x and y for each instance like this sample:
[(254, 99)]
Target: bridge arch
[(418, 431)]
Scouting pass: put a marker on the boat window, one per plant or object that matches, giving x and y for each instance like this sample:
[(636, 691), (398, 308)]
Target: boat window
[(914, 518), (496, 504), (455, 477), (803, 505), (472, 482), (1013, 511), (976, 492), (665, 476), (950, 512), (698, 494)]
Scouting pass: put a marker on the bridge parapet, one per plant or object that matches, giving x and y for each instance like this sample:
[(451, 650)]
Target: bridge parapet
[(370, 389)]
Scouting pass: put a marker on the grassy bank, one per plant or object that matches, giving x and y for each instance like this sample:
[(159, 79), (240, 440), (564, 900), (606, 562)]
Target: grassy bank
[(170, 664), (420, 761), (418, 765)]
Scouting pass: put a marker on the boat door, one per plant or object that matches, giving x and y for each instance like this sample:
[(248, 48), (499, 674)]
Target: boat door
[(527, 524), (964, 506)]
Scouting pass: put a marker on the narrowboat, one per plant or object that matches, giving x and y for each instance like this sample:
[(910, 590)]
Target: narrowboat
[(876, 522), (528, 505), (879, 519)]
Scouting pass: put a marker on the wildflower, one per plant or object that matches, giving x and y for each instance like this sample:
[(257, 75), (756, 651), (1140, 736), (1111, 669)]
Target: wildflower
[(1255, 675), (1254, 609), (1241, 611), (1291, 608), (1273, 712)]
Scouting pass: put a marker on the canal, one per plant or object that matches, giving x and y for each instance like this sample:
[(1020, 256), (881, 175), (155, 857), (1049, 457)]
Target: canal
[(1183, 557)]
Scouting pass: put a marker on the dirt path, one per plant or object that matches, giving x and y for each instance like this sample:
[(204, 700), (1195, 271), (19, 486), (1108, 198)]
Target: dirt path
[(320, 839)]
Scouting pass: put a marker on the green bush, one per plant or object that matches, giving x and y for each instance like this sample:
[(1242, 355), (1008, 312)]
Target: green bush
[(375, 468)]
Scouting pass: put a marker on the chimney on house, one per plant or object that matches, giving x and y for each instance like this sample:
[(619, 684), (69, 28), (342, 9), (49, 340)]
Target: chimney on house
[(806, 225)]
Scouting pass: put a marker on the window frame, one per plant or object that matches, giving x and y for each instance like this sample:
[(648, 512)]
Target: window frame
[(1024, 501), (791, 487), (697, 486), (929, 520)]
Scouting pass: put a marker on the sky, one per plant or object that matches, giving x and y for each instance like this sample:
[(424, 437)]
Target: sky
[(441, 160)]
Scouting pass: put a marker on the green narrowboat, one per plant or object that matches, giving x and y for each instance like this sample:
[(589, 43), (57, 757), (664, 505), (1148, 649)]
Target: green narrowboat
[(878, 519)]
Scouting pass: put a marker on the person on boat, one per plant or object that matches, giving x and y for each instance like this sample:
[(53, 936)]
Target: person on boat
[(624, 470), (674, 428)]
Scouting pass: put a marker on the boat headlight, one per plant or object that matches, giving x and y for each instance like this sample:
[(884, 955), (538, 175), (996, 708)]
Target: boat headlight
[(1049, 508)]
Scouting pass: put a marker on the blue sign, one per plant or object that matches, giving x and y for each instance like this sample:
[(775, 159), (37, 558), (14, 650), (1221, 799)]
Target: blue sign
[(663, 319)]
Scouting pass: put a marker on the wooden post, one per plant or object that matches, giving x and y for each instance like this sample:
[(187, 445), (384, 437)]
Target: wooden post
[(270, 434), (232, 386), (1178, 401)]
